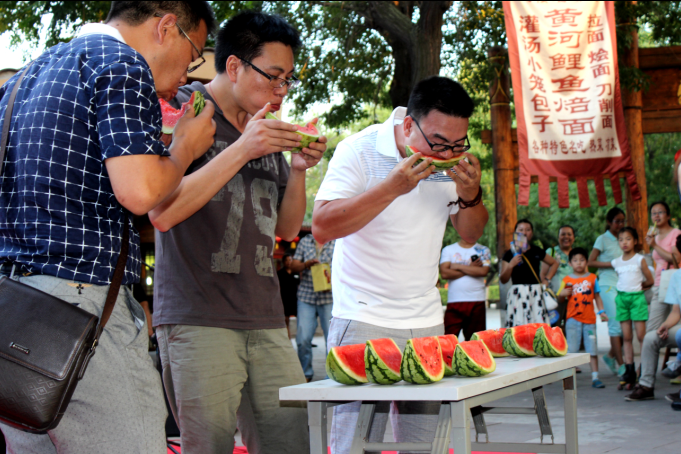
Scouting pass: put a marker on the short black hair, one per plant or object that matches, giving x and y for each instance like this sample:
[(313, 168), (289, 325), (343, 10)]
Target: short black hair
[(631, 231), (441, 94), (523, 221), (664, 204), (678, 243), (245, 34), (189, 14), (567, 226), (578, 251)]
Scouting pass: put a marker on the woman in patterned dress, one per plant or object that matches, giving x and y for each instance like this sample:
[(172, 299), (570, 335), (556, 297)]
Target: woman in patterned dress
[(524, 302)]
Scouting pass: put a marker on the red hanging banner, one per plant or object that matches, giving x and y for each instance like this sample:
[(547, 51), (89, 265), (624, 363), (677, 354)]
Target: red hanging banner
[(568, 103)]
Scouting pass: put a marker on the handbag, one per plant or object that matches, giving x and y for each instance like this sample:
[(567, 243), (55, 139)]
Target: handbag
[(550, 300), (45, 343)]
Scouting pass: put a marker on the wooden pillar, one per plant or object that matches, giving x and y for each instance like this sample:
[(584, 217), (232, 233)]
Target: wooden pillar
[(504, 165), (637, 210)]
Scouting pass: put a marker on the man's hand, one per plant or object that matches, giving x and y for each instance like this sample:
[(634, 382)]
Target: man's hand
[(467, 176), (404, 176), (477, 262), (263, 136), (663, 332), (309, 157), (195, 134), (308, 263)]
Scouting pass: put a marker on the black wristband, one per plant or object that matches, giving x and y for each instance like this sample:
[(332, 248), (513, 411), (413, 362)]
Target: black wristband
[(476, 201)]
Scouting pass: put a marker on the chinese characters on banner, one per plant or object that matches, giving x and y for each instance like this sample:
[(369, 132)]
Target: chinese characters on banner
[(563, 58)]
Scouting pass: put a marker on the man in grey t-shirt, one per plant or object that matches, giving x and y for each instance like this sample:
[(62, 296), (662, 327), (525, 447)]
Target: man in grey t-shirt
[(218, 311)]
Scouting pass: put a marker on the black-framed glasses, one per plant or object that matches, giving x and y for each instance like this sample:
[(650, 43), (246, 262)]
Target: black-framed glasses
[(190, 69), (276, 82), (439, 147)]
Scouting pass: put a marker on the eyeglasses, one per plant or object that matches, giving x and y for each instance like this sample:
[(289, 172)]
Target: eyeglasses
[(276, 82), (190, 69), (439, 147)]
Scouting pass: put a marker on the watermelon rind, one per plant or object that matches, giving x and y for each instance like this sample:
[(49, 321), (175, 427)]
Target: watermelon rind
[(448, 356), (305, 139), (440, 165), (413, 372), (511, 346), (465, 365), (481, 335), (542, 344), (377, 370), (337, 372)]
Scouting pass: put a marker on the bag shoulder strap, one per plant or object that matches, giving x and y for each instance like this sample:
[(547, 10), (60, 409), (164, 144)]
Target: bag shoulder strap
[(119, 272), (531, 267)]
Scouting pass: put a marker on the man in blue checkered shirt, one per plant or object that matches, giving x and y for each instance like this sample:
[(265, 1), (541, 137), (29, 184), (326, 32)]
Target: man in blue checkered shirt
[(84, 152)]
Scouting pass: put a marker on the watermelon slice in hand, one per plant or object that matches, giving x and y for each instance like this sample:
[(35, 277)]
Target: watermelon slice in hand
[(309, 133), (448, 344), (550, 342), (346, 364), (171, 115), (382, 359), (473, 359), (440, 164), (519, 340), (422, 361), (493, 338)]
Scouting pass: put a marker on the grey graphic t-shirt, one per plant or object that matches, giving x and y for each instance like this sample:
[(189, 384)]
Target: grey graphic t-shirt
[(216, 268)]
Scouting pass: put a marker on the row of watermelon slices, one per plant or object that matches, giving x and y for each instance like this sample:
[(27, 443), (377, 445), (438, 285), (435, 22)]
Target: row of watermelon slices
[(429, 359), (425, 360)]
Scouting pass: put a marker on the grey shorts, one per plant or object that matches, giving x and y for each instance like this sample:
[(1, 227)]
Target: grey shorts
[(118, 406), (411, 421)]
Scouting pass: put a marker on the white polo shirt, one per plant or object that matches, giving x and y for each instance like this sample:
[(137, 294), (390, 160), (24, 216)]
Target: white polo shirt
[(385, 274)]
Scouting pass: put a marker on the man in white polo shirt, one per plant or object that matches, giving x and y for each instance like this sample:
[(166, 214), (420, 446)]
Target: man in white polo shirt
[(389, 217)]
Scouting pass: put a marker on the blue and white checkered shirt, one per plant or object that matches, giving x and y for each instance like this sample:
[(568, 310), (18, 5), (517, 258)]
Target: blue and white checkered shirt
[(80, 103), (307, 250)]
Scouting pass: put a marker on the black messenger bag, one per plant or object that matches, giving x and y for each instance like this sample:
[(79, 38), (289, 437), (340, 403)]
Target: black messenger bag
[(45, 342)]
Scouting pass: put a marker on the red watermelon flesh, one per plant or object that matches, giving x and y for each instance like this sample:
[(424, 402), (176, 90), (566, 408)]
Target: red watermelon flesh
[(389, 352), (346, 364), (524, 334), (171, 115), (448, 344), (310, 129), (430, 354), (493, 339)]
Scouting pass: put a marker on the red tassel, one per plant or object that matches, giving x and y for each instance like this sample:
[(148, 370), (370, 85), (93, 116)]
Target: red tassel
[(563, 193), (524, 182), (544, 191), (600, 191), (583, 191), (616, 188)]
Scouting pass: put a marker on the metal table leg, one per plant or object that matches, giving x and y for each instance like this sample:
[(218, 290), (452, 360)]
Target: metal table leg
[(461, 428), (316, 419), (570, 399)]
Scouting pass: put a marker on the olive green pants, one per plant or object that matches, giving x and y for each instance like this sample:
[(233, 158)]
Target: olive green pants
[(207, 371)]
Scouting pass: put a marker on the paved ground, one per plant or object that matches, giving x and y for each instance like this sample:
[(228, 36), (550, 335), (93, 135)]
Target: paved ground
[(607, 423)]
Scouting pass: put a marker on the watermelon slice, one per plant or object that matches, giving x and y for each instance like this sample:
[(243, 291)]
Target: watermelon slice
[(550, 342), (382, 359), (346, 364), (473, 359), (448, 344), (493, 339), (422, 361), (171, 115), (440, 164), (308, 133), (519, 340)]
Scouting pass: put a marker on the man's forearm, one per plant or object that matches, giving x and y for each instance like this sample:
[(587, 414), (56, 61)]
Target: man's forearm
[(196, 190), (339, 218), (292, 209), (450, 274), (474, 271), (470, 222)]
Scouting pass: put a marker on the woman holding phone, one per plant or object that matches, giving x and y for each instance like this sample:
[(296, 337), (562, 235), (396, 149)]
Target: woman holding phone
[(524, 302)]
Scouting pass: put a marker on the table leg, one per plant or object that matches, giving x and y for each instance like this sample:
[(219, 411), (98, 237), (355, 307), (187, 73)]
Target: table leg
[(570, 398), (363, 428), (460, 439), (316, 419)]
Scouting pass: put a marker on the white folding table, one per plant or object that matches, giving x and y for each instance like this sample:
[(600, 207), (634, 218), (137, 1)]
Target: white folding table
[(460, 397)]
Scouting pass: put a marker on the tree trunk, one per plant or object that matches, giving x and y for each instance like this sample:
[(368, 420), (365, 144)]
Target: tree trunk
[(416, 46)]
